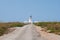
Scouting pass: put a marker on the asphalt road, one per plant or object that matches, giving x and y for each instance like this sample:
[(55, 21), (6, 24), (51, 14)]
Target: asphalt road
[(28, 32)]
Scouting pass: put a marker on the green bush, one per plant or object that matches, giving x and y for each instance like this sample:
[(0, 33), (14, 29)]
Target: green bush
[(2, 30)]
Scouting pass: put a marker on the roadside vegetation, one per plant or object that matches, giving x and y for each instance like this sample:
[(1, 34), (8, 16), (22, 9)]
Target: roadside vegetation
[(51, 27), (5, 26)]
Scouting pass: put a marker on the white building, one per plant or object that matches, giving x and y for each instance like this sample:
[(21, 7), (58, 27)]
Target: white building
[(30, 19)]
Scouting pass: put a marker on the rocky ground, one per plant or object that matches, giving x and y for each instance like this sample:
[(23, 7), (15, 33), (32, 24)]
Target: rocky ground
[(49, 36)]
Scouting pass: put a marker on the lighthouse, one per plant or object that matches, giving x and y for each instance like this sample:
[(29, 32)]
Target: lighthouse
[(30, 19)]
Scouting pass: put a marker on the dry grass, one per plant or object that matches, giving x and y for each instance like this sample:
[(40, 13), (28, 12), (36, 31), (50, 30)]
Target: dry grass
[(54, 27), (4, 26)]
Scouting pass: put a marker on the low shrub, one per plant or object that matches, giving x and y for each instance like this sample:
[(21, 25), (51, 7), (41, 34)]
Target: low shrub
[(53, 26), (4, 26)]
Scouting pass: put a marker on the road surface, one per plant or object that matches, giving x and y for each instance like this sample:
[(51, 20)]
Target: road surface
[(27, 32)]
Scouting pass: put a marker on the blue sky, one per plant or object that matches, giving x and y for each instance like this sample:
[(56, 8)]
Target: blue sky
[(20, 10)]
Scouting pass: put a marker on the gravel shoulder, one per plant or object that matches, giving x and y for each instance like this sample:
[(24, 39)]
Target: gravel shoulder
[(48, 36)]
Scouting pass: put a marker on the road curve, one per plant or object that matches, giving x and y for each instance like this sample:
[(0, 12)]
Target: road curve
[(27, 32)]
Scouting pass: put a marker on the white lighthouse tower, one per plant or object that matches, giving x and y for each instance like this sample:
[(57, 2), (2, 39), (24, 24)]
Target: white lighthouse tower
[(30, 19)]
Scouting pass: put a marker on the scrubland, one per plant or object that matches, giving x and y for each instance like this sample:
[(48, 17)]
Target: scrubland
[(51, 27)]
